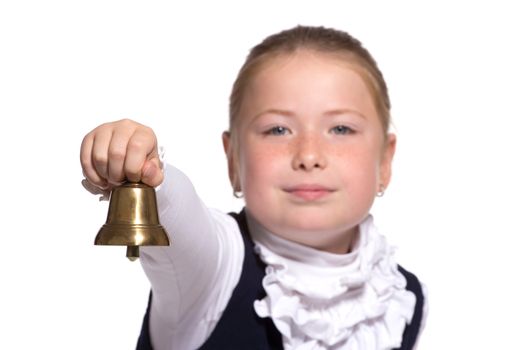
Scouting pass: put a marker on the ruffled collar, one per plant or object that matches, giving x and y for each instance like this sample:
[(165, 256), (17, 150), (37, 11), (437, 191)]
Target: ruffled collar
[(320, 300)]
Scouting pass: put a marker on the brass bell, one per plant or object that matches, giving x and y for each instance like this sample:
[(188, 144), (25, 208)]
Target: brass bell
[(132, 220)]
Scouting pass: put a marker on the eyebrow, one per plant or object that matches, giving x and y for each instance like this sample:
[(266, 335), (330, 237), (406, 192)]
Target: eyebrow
[(282, 112), (330, 113), (335, 112)]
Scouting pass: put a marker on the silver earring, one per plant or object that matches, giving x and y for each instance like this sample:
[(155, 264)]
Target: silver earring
[(381, 191), (237, 194)]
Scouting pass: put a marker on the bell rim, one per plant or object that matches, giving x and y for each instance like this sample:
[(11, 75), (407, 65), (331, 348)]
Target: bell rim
[(132, 235)]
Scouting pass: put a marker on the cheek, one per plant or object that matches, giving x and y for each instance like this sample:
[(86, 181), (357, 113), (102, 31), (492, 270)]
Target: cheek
[(259, 164), (358, 167)]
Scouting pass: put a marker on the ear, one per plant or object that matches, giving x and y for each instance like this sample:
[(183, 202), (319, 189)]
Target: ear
[(232, 164), (387, 156)]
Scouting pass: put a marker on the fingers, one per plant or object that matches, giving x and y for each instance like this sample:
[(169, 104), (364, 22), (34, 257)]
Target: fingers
[(117, 154), (99, 152), (121, 150), (88, 163), (142, 145), (152, 173)]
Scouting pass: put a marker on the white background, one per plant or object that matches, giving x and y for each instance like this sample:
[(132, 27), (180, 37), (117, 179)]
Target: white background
[(454, 208)]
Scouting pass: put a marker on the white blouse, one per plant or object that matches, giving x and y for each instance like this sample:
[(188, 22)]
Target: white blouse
[(317, 300), (321, 300)]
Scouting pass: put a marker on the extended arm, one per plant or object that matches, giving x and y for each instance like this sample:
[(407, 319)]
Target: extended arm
[(193, 278)]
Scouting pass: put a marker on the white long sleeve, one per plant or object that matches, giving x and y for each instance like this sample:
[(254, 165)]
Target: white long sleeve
[(192, 279)]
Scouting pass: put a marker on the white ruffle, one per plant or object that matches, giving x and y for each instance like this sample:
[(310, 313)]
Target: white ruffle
[(319, 300)]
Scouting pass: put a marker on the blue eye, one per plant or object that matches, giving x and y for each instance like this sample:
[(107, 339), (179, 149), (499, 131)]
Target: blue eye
[(277, 131), (342, 130)]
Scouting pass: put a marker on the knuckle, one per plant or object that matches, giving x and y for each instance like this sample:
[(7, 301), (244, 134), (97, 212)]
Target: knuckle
[(126, 122), (100, 160), (149, 131), (136, 144), (103, 127), (117, 154)]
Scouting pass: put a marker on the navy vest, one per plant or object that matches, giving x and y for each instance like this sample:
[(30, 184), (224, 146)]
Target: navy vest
[(240, 328)]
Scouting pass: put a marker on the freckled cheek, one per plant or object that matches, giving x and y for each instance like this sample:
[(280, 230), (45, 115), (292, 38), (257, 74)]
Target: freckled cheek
[(261, 165), (358, 169)]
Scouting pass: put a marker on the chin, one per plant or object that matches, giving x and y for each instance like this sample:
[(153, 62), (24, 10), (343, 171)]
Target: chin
[(320, 221), (312, 224)]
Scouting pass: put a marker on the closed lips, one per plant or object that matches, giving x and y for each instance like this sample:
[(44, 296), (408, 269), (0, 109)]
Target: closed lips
[(309, 191)]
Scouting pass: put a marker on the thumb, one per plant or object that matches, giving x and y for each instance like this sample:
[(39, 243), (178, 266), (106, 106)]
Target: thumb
[(152, 174)]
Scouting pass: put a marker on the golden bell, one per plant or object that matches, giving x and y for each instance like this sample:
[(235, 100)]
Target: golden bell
[(133, 219)]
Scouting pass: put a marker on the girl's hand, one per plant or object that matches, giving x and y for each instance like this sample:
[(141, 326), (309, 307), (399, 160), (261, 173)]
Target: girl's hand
[(119, 151)]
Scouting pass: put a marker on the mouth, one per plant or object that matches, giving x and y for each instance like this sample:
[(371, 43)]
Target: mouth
[(308, 192)]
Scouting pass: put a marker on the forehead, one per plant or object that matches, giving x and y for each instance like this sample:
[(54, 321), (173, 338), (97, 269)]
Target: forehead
[(308, 80)]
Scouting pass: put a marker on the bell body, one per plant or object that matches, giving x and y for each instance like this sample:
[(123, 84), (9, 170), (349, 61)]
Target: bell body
[(132, 219)]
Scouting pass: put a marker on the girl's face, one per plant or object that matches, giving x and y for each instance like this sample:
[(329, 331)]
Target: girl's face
[(312, 153)]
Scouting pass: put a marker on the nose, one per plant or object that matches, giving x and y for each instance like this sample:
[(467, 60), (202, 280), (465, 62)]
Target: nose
[(308, 153)]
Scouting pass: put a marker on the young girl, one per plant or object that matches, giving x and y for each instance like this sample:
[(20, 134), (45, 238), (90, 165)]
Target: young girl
[(302, 266)]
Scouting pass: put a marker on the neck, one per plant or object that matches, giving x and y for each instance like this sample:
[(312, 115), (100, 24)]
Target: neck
[(340, 242), (335, 243)]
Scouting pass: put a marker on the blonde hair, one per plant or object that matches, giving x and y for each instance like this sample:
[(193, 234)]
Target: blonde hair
[(317, 39)]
